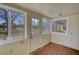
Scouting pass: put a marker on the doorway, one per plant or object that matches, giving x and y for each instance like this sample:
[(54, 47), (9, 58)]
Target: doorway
[(36, 33)]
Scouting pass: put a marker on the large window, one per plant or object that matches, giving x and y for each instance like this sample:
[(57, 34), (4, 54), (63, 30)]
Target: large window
[(60, 25), (17, 23), (12, 24)]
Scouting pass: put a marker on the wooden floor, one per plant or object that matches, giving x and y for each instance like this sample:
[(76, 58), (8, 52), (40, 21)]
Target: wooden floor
[(55, 49)]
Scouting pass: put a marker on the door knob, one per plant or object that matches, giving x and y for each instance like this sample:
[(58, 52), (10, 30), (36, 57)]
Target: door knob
[(30, 37), (30, 34)]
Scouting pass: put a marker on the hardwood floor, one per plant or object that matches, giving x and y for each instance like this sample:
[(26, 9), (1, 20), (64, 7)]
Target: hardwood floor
[(55, 49)]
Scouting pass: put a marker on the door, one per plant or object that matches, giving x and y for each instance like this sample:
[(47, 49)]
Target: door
[(35, 37)]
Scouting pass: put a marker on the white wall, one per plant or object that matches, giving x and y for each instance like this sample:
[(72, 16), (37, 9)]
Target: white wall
[(72, 38)]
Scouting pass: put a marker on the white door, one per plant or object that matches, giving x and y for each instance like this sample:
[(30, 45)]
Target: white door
[(35, 36)]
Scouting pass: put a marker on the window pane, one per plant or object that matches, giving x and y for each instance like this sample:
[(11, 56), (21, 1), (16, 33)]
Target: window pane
[(35, 25), (45, 25), (17, 23), (60, 26), (55, 26), (3, 24)]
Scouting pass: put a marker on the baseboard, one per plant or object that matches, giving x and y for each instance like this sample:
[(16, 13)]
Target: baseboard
[(65, 45), (44, 44)]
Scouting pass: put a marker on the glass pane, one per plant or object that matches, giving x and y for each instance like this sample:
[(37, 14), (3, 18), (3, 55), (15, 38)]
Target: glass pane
[(60, 26), (35, 25), (55, 26), (3, 24), (17, 23), (45, 25)]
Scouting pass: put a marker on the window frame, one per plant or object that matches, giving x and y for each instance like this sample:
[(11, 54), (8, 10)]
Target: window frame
[(10, 40)]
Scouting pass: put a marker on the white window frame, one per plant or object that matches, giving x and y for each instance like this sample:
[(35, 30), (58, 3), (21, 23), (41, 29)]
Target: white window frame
[(60, 33), (10, 40)]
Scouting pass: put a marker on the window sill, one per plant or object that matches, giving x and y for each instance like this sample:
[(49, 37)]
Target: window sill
[(44, 33), (5, 42), (59, 33)]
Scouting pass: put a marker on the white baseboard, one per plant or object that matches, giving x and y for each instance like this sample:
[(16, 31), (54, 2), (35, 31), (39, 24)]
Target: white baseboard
[(64, 45)]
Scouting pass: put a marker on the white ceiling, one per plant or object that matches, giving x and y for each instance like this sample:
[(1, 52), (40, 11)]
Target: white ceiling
[(52, 9)]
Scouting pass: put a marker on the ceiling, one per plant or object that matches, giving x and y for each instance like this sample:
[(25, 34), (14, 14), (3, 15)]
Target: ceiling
[(52, 9)]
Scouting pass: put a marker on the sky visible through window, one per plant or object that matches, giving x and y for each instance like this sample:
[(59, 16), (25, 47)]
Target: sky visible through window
[(15, 21), (2, 16), (2, 21), (17, 17), (20, 22)]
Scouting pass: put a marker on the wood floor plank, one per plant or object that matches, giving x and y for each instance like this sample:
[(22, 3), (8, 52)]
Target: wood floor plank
[(55, 49)]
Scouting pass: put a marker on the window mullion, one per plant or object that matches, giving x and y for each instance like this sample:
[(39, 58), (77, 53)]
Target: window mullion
[(9, 26)]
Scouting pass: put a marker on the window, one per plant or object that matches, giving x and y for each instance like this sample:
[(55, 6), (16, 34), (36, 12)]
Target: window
[(45, 25), (60, 25), (35, 25), (3, 24), (12, 25), (17, 23)]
